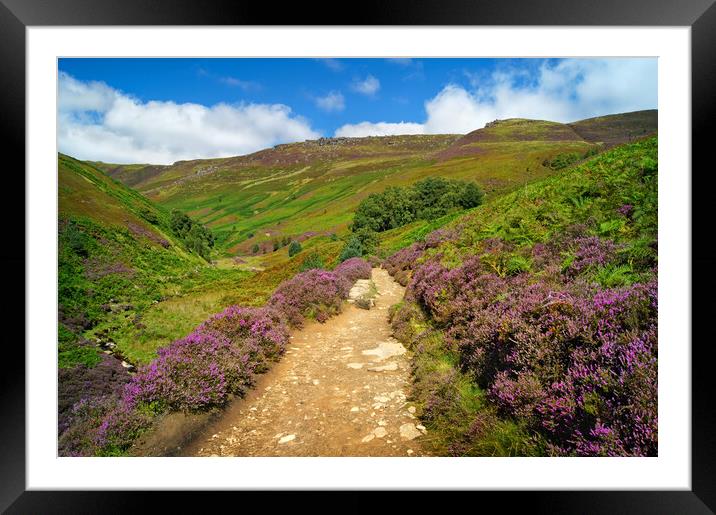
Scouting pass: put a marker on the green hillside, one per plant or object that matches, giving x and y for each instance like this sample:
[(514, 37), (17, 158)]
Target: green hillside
[(533, 317), (303, 189), (119, 262), (615, 129)]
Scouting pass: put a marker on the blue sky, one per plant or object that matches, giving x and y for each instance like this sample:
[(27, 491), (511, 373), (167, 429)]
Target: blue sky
[(163, 110)]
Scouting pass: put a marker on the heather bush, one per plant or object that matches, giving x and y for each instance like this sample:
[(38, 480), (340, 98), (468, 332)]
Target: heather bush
[(102, 426), (105, 378), (194, 372), (589, 252), (553, 356), (121, 425), (259, 331), (354, 269), (450, 403), (546, 302), (435, 238), (400, 264), (313, 294), (85, 417)]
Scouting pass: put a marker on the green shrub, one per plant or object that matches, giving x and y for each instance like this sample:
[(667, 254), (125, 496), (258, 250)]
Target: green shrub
[(353, 248), (75, 239), (312, 261), (294, 248), (150, 216)]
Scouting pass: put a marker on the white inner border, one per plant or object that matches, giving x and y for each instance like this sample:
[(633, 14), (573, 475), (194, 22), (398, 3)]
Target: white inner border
[(671, 470)]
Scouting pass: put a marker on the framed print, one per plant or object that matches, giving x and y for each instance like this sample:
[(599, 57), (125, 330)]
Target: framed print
[(429, 250)]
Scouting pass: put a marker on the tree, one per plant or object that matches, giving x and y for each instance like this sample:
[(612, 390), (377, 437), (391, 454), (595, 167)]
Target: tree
[(472, 196), (294, 248), (353, 248)]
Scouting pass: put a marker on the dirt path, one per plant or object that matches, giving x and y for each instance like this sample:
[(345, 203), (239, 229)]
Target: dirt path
[(340, 390)]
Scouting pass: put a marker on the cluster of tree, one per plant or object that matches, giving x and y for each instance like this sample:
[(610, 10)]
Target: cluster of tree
[(195, 236), (425, 200), (568, 158)]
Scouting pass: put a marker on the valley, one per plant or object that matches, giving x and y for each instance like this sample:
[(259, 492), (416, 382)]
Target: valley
[(566, 228)]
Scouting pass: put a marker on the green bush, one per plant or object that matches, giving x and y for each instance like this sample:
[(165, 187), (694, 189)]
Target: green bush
[(294, 248), (75, 239), (353, 248), (150, 216), (312, 261)]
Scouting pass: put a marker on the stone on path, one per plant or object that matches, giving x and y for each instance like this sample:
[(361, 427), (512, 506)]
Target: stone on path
[(380, 432), (362, 294), (287, 438), (409, 431), (386, 350)]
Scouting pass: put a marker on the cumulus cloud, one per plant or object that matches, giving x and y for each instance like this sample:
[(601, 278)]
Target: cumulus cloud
[(368, 86), (100, 123), (333, 101), (379, 129), (562, 91)]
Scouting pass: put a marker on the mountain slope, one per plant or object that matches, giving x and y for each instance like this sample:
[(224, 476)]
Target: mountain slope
[(616, 129), (533, 318), (118, 259), (303, 189)]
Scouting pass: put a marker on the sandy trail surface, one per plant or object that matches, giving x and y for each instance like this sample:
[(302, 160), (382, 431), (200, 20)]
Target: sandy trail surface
[(340, 390)]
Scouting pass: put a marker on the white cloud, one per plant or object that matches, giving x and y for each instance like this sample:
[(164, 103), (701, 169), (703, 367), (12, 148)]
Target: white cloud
[(379, 129), (246, 85), (333, 101), (332, 64), (97, 122), (570, 90), (369, 86)]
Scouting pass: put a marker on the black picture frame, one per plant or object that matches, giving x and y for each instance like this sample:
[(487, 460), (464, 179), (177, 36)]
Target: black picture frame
[(700, 15)]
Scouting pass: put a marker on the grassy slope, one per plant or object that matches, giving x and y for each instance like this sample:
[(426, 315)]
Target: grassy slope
[(617, 128), (121, 274), (589, 194), (306, 187)]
